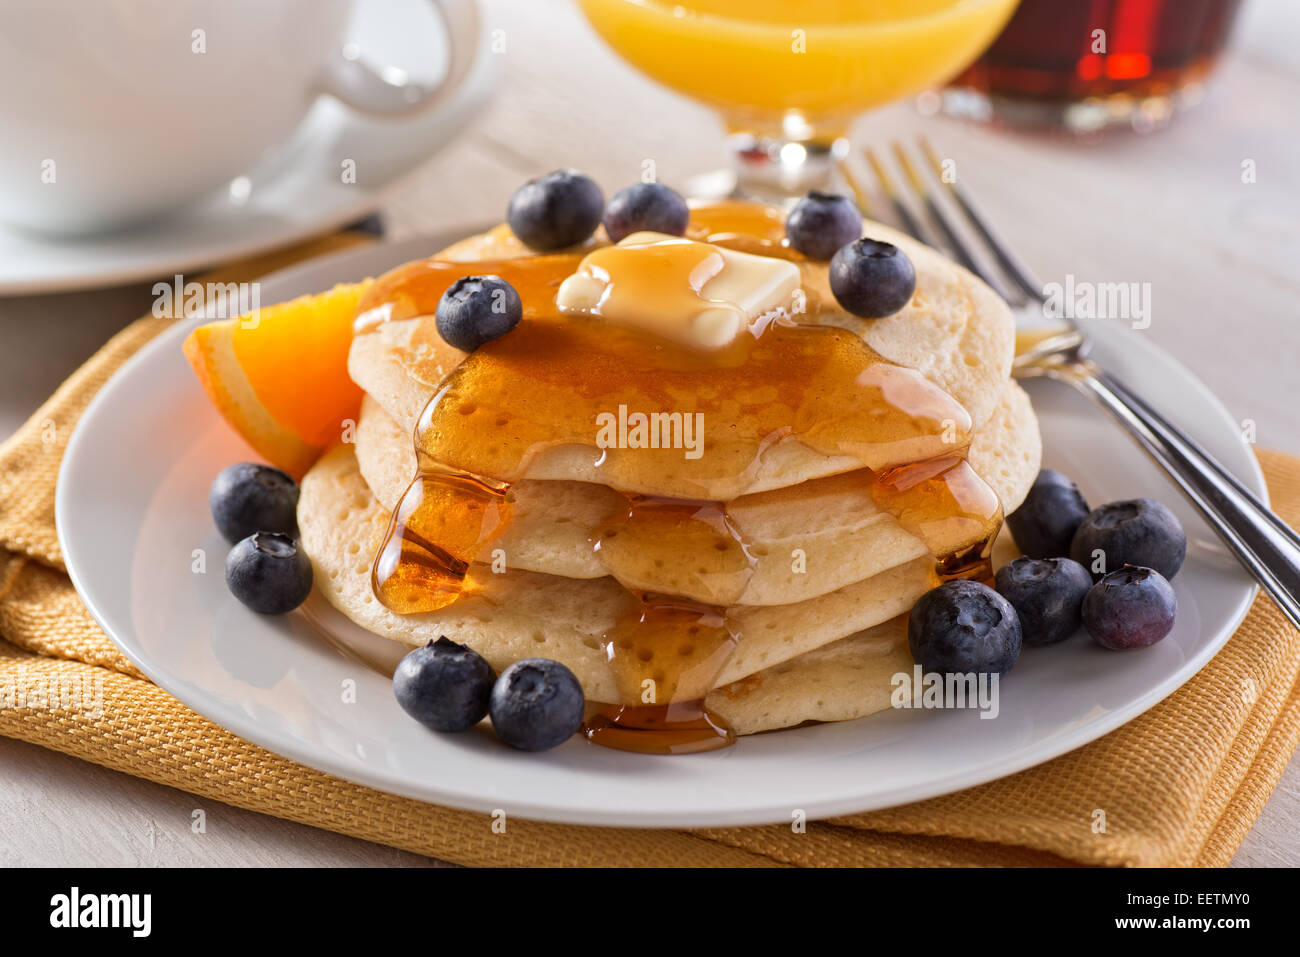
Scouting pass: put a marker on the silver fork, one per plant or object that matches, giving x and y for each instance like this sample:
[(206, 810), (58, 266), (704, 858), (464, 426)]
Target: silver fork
[(1264, 544)]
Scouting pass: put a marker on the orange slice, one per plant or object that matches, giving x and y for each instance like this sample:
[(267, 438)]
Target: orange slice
[(280, 378)]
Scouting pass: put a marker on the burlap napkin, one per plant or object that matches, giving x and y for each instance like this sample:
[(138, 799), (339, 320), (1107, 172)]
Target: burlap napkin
[(1180, 785)]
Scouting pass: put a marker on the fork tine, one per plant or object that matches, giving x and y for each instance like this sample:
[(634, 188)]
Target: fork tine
[(1012, 266), (903, 214), (860, 195), (944, 226)]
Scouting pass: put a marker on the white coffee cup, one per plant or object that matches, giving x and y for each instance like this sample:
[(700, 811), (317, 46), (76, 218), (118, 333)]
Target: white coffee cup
[(114, 112)]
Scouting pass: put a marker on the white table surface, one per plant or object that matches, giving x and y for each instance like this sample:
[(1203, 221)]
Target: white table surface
[(1169, 209)]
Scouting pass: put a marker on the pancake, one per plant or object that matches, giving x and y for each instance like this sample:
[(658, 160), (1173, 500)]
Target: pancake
[(520, 614), (956, 332), (847, 679), (843, 535), (816, 643)]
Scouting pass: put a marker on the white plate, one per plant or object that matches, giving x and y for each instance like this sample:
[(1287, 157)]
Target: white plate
[(132, 509), (298, 192)]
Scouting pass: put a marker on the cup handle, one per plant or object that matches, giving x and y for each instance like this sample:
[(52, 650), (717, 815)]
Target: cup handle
[(364, 89)]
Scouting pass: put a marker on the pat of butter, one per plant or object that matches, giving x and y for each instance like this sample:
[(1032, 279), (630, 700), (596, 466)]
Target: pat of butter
[(697, 294)]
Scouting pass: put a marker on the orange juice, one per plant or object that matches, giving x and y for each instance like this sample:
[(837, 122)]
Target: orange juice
[(766, 63)]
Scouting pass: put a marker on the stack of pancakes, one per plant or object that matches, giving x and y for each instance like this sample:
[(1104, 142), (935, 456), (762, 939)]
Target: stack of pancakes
[(819, 639)]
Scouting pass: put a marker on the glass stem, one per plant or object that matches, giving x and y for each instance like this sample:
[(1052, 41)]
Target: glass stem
[(776, 169)]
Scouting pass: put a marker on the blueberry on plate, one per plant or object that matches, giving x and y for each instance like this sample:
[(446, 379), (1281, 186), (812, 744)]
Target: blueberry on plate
[(964, 627), (1130, 608), (477, 309), (1047, 594), (556, 210), (247, 497), (822, 223), (269, 573), (646, 206), (872, 279), (536, 704), (1139, 531), (444, 686), (1044, 524)]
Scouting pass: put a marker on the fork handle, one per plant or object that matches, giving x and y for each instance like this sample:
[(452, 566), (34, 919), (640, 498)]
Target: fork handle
[(1258, 537)]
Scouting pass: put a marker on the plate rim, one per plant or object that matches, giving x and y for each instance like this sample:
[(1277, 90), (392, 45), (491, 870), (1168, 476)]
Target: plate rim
[(466, 797)]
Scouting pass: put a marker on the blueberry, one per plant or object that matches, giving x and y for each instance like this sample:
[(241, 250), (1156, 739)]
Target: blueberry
[(444, 686), (872, 279), (247, 498), (963, 627), (1047, 594), (1136, 532), (822, 223), (651, 206), (269, 573), (555, 210), (536, 704), (1130, 608), (1044, 524), (477, 309)]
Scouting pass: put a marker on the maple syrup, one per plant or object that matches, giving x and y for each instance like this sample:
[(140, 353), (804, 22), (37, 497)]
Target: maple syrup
[(680, 727), (442, 521), (545, 383)]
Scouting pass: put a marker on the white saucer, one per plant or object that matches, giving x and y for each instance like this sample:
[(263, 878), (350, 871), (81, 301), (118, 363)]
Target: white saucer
[(132, 508), (297, 193)]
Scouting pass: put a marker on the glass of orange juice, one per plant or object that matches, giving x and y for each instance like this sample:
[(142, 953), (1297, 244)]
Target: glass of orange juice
[(789, 76)]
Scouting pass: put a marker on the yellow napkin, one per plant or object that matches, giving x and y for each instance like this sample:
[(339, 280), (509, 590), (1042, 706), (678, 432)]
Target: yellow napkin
[(1180, 785)]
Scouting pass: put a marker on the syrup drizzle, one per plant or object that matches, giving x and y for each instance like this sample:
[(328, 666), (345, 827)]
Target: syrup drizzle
[(542, 386)]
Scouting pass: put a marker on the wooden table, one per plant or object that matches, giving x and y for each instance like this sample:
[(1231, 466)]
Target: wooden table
[(1169, 209)]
